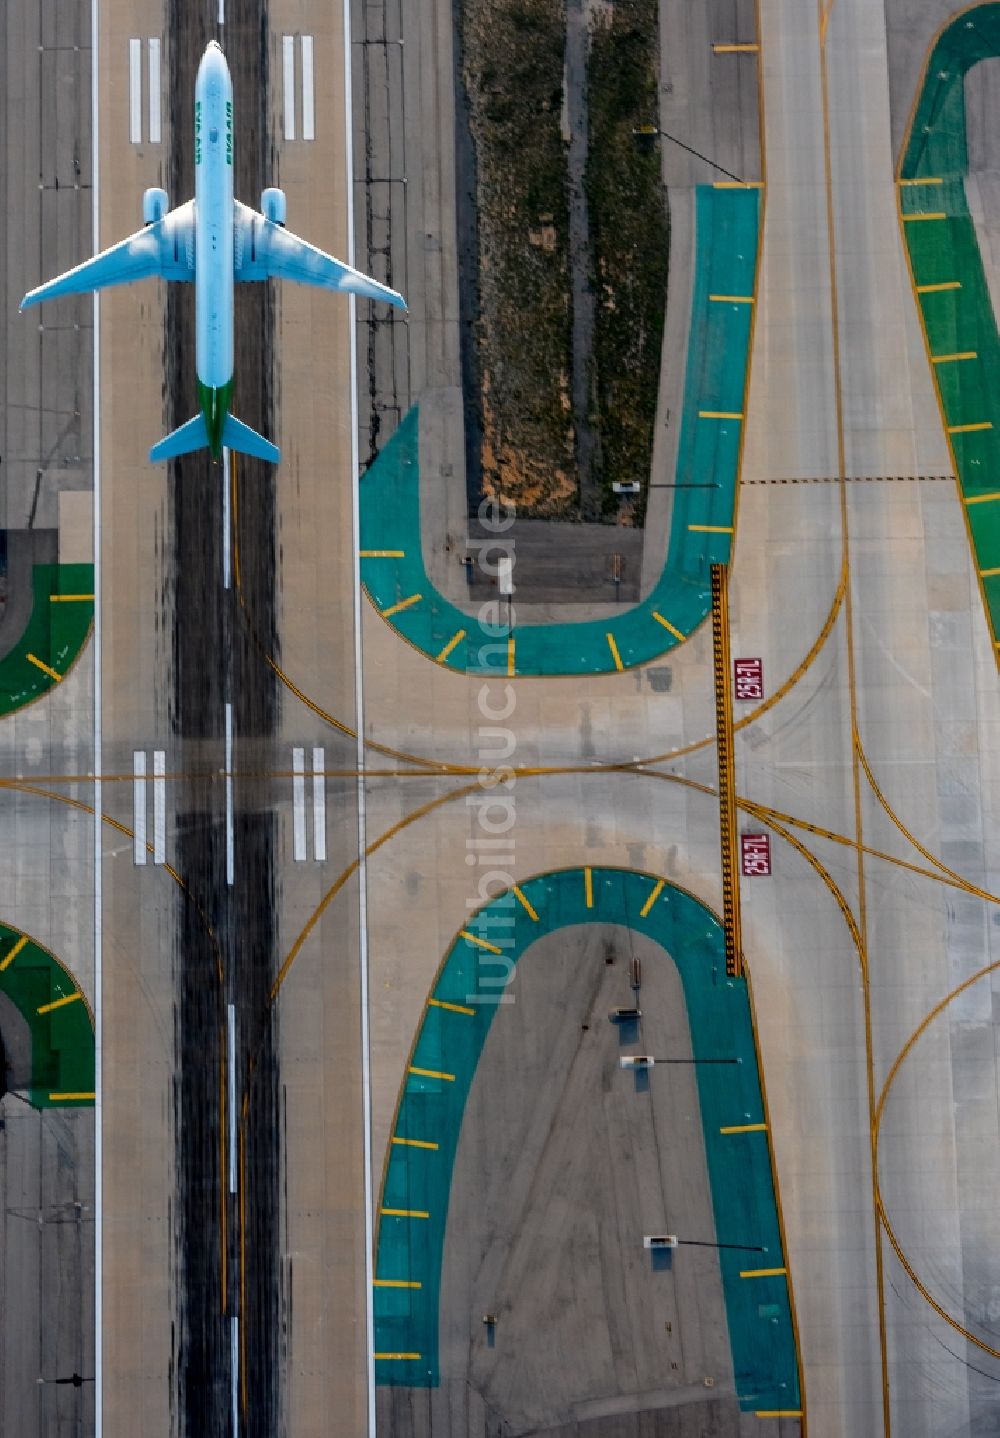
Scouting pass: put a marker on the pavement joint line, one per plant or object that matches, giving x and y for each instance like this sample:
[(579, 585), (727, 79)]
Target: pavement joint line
[(983, 498), (405, 1213), (588, 887), (381, 553), (510, 657), (711, 528), (720, 414), (431, 1073), (45, 668), (71, 599), (395, 1283), (745, 1128), (924, 215), (732, 299), (59, 1003), (65, 1097), (970, 428), (936, 289), (479, 943), (403, 604), (416, 1142), (670, 628), (452, 1008), (763, 1272), (961, 355), (455, 639), (525, 904), (614, 652), (9, 958), (658, 888)]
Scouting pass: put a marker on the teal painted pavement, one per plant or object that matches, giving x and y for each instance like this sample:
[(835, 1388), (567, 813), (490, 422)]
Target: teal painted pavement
[(392, 566), (414, 1203)]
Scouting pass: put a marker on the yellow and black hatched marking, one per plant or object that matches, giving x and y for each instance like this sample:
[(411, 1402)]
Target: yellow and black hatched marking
[(722, 666)]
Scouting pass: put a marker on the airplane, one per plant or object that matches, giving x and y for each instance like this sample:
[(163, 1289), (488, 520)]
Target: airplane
[(213, 240)]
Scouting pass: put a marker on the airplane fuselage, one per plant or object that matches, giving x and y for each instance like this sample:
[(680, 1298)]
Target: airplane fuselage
[(213, 203)]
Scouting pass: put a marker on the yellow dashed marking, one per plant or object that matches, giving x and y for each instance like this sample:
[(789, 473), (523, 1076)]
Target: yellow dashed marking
[(745, 1128), (403, 604), (719, 414), (762, 1272), (970, 428), (59, 1003), (588, 887), (39, 664), (524, 903), (984, 498), (64, 1097), (455, 639), (658, 888), (381, 553), (452, 1008), (983, 574), (670, 628), (389, 1356), (947, 359), (9, 959), (711, 528), (732, 299), (926, 215), (405, 1213), (930, 180), (614, 652), (936, 289), (415, 1143), (510, 657), (71, 599), (479, 943), (394, 1283), (432, 1073)]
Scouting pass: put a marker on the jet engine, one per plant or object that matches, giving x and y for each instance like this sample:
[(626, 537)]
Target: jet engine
[(155, 205), (273, 205)]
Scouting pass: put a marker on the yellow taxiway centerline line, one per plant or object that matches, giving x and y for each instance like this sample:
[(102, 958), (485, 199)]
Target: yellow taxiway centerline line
[(452, 1008), (40, 664), (403, 604), (658, 888), (9, 959), (524, 904), (59, 1003)]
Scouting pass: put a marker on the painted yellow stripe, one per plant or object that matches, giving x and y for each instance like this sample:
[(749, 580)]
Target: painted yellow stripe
[(59, 1003), (778, 1413), (984, 498), (737, 184), (936, 289), (614, 652), (403, 604), (9, 959), (970, 428), (405, 1213), (510, 657), (71, 599), (381, 553), (479, 943), (719, 414), (415, 1143), (452, 1008), (763, 1272), (387, 1357), (65, 1097), (925, 215), (735, 49), (711, 528), (732, 299), (745, 1128), (930, 180), (38, 663), (588, 887), (524, 903), (394, 1283), (455, 639), (947, 359), (983, 574), (432, 1073), (670, 628), (658, 888)]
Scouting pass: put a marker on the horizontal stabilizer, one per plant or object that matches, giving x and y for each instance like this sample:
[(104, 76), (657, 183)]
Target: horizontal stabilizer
[(239, 436), (190, 436)]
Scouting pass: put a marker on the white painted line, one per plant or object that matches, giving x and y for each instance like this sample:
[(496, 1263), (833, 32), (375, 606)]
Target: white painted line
[(159, 807), (308, 95), (234, 1359), (319, 806), (299, 805), (231, 1065), (230, 847), (226, 522), (154, 91), (139, 806), (135, 91), (359, 724), (288, 69), (222, 12), (96, 94)]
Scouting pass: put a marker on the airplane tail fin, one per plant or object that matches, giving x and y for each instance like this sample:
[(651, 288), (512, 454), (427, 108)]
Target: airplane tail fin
[(239, 436), (190, 436)]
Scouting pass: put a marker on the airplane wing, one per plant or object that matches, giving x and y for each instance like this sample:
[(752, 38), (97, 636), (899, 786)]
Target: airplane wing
[(264, 250), (164, 249)]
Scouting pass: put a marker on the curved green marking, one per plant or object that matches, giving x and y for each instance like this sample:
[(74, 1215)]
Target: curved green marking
[(54, 636), (727, 226), (941, 251), (62, 1037), (418, 1179), (215, 404)]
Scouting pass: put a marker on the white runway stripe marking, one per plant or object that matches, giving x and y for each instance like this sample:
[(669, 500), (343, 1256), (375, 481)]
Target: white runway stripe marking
[(288, 72), (139, 807), (159, 807), (319, 806), (308, 95), (299, 805), (135, 91), (154, 91)]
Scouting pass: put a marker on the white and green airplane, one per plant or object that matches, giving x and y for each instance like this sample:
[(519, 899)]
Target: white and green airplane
[(213, 240)]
